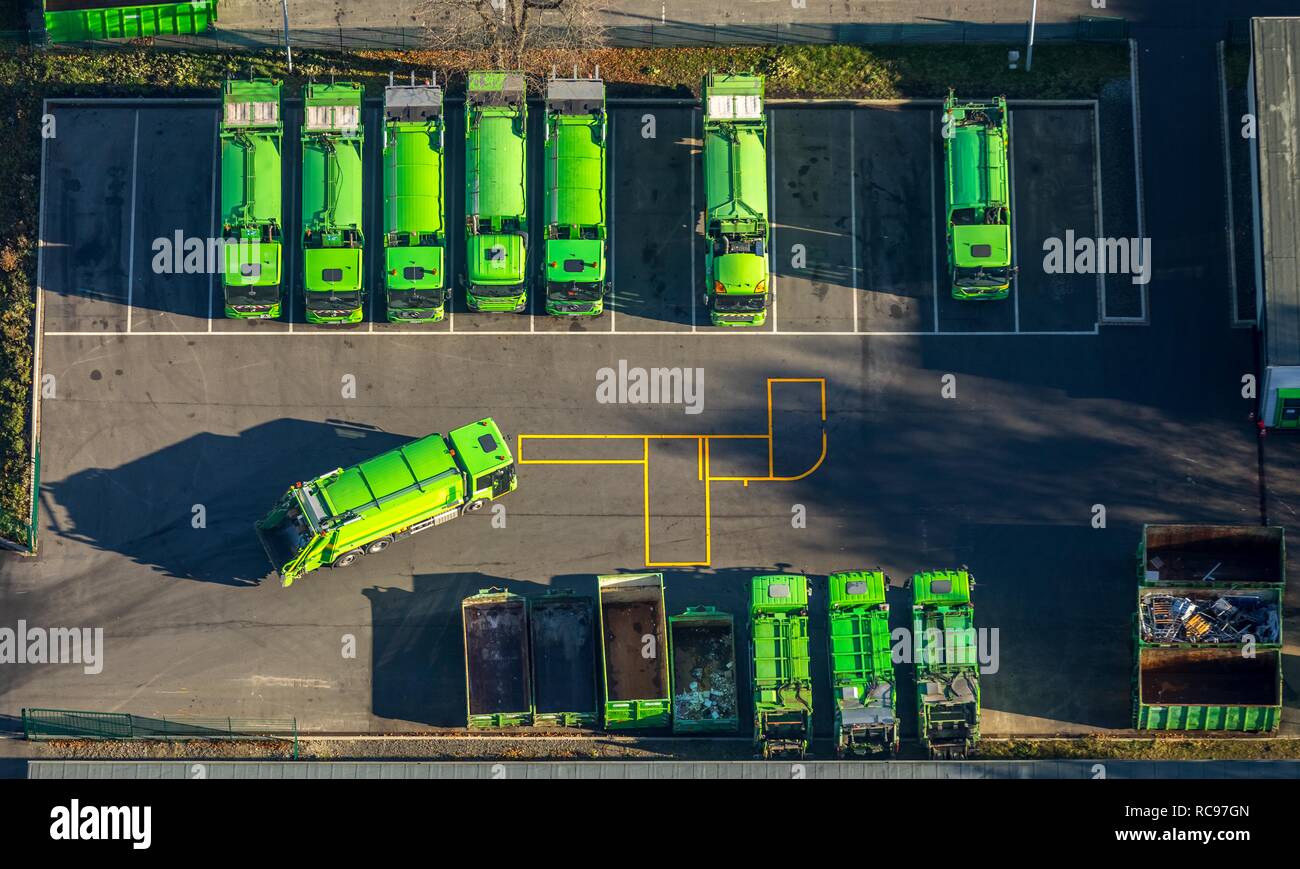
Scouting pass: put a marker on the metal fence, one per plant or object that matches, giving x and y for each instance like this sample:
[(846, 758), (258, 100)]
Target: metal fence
[(650, 35), (40, 724)]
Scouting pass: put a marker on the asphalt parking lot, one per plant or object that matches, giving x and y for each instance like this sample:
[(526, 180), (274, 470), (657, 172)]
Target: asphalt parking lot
[(159, 409)]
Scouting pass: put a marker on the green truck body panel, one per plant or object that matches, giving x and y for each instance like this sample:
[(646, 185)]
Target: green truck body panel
[(575, 218), (415, 231), (736, 227), (634, 651), (338, 516), (498, 665), (252, 221), (947, 662), (332, 202), (978, 199), (1195, 677), (778, 632), (84, 20), (496, 191), (563, 630), (862, 667), (703, 643)]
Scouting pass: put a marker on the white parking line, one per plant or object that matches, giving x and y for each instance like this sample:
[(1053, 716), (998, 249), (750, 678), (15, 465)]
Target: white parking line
[(216, 147), (609, 224), (934, 234), (1011, 192), (690, 222), (130, 243), (853, 212), (771, 209)]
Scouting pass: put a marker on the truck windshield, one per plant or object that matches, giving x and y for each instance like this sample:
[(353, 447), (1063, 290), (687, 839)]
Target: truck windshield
[(981, 277), (415, 298), (741, 304), (497, 292), (585, 291), (331, 301)]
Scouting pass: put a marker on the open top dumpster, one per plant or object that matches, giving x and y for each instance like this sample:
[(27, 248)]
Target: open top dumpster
[(862, 669), (778, 631), (1207, 634), (704, 671), (562, 625), (498, 681), (1221, 555), (634, 651)]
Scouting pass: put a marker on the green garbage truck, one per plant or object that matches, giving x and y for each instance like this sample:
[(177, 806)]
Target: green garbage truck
[(703, 642), (85, 20), (496, 191), (778, 646), (736, 228), (252, 222), (342, 515), (862, 665), (498, 671), (562, 626), (977, 194), (575, 197), (634, 651), (332, 202), (1207, 634), (947, 663), (415, 230)]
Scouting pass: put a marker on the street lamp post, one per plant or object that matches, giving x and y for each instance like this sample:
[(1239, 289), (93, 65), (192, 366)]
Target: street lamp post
[(1029, 52), (288, 51)]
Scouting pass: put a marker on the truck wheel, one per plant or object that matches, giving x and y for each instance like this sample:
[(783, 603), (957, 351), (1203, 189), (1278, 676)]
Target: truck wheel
[(474, 506), (347, 559), (378, 546)]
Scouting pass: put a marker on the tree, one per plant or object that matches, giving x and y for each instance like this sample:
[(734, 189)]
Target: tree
[(506, 29)]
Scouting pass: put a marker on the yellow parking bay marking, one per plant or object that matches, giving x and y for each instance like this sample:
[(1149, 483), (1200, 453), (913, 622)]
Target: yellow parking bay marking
[(704, 472)]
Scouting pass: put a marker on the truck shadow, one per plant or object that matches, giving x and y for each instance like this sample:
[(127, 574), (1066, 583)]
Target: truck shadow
[(187, 511), (418, 650)]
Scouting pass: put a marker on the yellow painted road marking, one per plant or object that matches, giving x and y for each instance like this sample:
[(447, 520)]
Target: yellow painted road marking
[(704, 472)]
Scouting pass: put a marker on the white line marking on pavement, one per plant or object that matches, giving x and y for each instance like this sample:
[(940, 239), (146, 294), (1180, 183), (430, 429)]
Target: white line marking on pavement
[(130, 241), (486, 332), (853, 212), (690, 223), (771, 209), (1011, 190), (1097, 201)]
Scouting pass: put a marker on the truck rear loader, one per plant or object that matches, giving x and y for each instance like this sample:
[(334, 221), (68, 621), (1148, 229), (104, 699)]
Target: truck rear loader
[(415, 230), (496, 191), (703, 642), (778, 632), (1207, 633), (332, 202), (340, 516), (563, 630), (498, 672), (252, 220), (947, 663), (634, 651), (862, 666), (574, 262), (736, 229), (976, 148)]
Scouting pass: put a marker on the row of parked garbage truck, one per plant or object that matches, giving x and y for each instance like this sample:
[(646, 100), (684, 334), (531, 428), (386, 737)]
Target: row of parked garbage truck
[(616, 659), (573, 271)]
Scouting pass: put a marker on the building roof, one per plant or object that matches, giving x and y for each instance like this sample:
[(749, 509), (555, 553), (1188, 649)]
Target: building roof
[(1276, 91)]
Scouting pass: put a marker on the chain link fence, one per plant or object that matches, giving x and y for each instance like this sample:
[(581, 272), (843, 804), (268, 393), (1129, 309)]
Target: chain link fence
[(41, 724)]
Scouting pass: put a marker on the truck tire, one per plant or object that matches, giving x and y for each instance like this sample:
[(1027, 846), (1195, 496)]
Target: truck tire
[(347, 559), (475, 506), (377, 546)]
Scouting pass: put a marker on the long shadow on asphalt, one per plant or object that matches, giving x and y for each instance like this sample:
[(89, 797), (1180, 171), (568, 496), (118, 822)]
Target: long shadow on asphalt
[(187, 511)]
